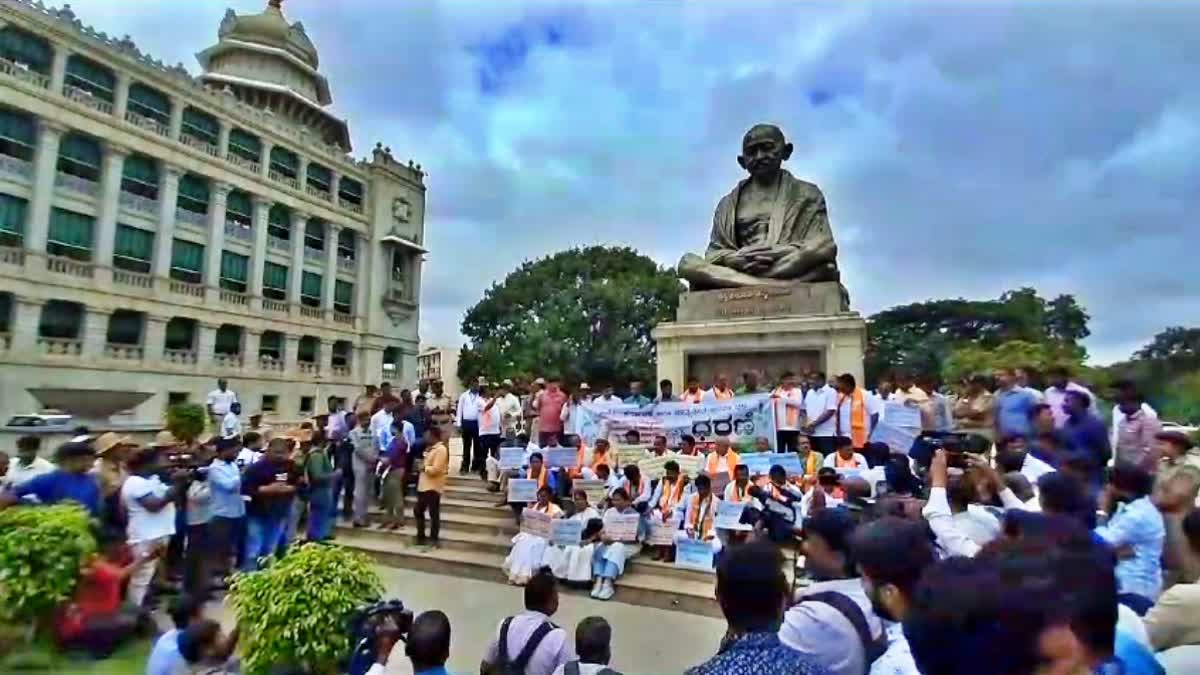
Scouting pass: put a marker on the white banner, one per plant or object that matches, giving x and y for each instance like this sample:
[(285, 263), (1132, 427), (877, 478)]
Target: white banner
[(744, 419)]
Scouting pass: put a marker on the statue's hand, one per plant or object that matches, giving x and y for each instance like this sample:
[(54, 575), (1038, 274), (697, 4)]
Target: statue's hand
[(753, 259)]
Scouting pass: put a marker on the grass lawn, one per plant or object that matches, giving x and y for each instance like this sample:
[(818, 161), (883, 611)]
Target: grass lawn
[(42, 657)]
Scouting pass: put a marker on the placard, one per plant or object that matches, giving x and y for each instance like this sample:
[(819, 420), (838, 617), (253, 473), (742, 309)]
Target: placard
[(663, 534), (729, 516), (652, 468), (511, 458), (565, 531), (790, 462), (759, 463), (595, 489), (536, 523), (692, 554), (567, 458), (898, 439), (621, 527), (522, 490), (849, 472), (902, 415), (690, 465), (719, 481)]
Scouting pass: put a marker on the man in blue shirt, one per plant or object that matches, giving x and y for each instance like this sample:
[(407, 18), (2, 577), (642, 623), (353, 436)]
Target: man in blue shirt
[(69, 482), (1012, 405), (228, 507), (1135, 530), (1086, 435), (636, 397)]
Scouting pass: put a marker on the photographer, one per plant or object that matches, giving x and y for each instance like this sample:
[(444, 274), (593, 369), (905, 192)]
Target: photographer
[(198, 513), (150, 505)]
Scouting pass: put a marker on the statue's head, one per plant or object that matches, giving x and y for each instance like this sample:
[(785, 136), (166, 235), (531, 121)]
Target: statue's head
[(764, 150)]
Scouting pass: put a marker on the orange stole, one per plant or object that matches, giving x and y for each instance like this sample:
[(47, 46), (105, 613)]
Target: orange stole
[(634, 495), (791, 416), (731, 461), (580, 453), (722, 395), (541, 478), (671, 497), (858, 417), (702, 526)]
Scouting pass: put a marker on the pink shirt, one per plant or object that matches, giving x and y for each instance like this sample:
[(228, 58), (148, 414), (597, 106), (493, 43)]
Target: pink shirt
[(550, 411)]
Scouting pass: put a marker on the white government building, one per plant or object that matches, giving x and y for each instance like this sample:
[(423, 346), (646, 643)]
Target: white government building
[(159, 230)]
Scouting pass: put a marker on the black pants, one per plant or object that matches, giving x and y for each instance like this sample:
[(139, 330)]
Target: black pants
[(822, 444), (196, 557), (430, 500), (787, 441), (225, 536), (489, 445), (101, 635), (470, 441), (345, 486)]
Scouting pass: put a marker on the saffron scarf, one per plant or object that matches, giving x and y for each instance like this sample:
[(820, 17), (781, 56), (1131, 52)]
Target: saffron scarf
[(858, 418)]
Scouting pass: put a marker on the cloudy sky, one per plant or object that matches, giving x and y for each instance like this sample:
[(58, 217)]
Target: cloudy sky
[(964, 148)]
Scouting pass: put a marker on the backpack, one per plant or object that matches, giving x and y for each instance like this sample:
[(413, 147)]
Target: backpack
[(509, 666), (872, 648), (572, 668)]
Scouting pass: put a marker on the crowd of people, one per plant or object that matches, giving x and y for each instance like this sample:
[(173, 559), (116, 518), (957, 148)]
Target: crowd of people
[(1019, 533)]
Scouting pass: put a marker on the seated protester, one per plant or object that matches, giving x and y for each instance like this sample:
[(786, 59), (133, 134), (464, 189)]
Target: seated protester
[(566, 476), (844, 456), (536, 471), (669, 494), (1032, 605), (971, 518), (593, 645), (528, 642), (810, 460), (492, 464), (602, 455), (699, 511), (829, 484), (832, 621), (722, 463), (95, 621), (165, 658), (206, 650), (525, 557), (899, 476), (736, 492), (752, 592), (1172, 621), (573, 564), (608, 560), (1135, 529), (71, 481), (638, 488), (659, 447), (687, 445)]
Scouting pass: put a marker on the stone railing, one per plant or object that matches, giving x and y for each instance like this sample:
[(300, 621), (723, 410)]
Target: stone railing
[(148, 123), (274, 305), (22, 72), (323, 195), (233, 361), (307, 368), (70, 267), (346, 264), (16, 168), (185, 288), (313, 254), (235, 230), (123, 352), (139, 203), (238, 160), (270, 363), (347, 319), (128, 278), (341, 371), (201, 145), (312, 312), (77, 184), (185, 217), (60, 346), (181, 357), (234, 298), (278, 244), (85, 97), (11, 255), (351, 206), (286, 180)]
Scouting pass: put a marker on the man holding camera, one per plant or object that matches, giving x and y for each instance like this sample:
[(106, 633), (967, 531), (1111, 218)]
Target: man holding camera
[(271, 485)]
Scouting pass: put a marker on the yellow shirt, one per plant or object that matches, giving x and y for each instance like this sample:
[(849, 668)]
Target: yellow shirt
[(437, 464)]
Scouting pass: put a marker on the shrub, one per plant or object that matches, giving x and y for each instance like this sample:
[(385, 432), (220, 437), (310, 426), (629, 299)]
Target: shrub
[(296, 611), (186, 421), (42, 549)]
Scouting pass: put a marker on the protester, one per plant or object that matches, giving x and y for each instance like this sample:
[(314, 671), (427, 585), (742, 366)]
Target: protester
[(365, 402), (1085, 435), (844, 456), (820, 409), (667, 497), (550, 404), (788, 408), (228, 507), (28, 465), (395, 480), (1012, 404), (491, 427), (1136, 432), (320, 477), (573, 564), (699, 513), (857, 412), (636, 396), (750, 383), (528, 642), (752, 592), (1135, 530), (430, 486), (198, 517), (721, 391), (70, 481), (610, 556), (366, 456), (666, 392), (271, 484), (528, 550), (692, 393)]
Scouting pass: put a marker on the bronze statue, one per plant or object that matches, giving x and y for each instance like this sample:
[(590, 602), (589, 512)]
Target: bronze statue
[(772, 229)]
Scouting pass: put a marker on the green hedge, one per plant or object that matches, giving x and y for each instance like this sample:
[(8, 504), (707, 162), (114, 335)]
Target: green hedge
[(42, 550)]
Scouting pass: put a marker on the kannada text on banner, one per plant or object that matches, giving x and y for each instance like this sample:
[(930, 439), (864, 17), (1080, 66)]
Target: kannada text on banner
[(744, 419)]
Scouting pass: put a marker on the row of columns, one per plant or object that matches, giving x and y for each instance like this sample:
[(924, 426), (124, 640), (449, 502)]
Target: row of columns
[(38, 221)]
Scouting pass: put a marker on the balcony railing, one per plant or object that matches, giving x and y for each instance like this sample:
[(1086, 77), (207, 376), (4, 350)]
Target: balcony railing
[(148, 123), (182, 357), (238, 160), (274, 305), (10, 255), (307, 367), (60, 346), (86, 98), (233, 361), (313, 254), (351, 206), (133, 279), (139, 203), (69, 266), (77, 184), (341, 371), (286, 180), (22, 72), (347, 319), (234, 298), (201, 145), (318, 193), (346, 264), (123, 352), (278, 244), (199, 220), (238, 231), (184, 288), (15, 167), (267, 362), (312, 312)]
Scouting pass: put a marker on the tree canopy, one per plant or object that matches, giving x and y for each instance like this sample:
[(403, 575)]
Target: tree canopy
[(584, 314)]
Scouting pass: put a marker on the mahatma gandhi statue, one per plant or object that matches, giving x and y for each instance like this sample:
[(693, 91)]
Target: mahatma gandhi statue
[(772, 229)]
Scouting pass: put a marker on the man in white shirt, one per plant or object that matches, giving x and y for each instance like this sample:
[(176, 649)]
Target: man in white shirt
[(510, 410), (531, 627), (150, 509), (27, 465), (467, 420), (607, 397), (788, 403), (231, 424), (820, 407), (892, 553), (1056, 395), (219, 400)]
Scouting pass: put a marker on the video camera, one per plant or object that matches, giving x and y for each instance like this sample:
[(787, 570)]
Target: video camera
[(956, 444), (778, 516), (370, 623)]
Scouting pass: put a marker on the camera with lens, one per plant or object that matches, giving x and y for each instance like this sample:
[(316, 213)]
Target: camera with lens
[(956, 444), (381, 620)]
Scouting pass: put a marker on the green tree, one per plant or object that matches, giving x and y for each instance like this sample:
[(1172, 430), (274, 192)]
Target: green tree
[(973, 359), (584, 314), (186, 421), (1167, 371)]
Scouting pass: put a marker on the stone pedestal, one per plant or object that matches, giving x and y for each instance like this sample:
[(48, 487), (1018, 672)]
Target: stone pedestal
[(770, 329)]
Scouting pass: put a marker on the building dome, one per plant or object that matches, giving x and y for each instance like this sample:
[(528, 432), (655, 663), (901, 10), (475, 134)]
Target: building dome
[(272, 30)]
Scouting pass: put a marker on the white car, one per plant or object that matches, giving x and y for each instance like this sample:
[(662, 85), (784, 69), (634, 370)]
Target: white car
[(41, 421)]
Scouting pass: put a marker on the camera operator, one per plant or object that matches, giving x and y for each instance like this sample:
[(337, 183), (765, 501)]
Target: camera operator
[(829, 487), (150, 505), (198, 514), (775, 510)]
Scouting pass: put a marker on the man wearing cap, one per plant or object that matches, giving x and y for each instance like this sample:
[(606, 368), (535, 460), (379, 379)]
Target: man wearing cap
[(1177, 450), (111, 452), (27, 465), (69, 482), (218, 402), (441, 408)]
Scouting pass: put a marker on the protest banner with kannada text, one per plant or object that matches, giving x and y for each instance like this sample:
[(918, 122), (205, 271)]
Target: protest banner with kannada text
[(729, 516), (522, 490), (567, 458), (566, 532), (536, 523), (663, 534), (511, 458), (621, 527), (692, 554), (742, 419), (595, 489)]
